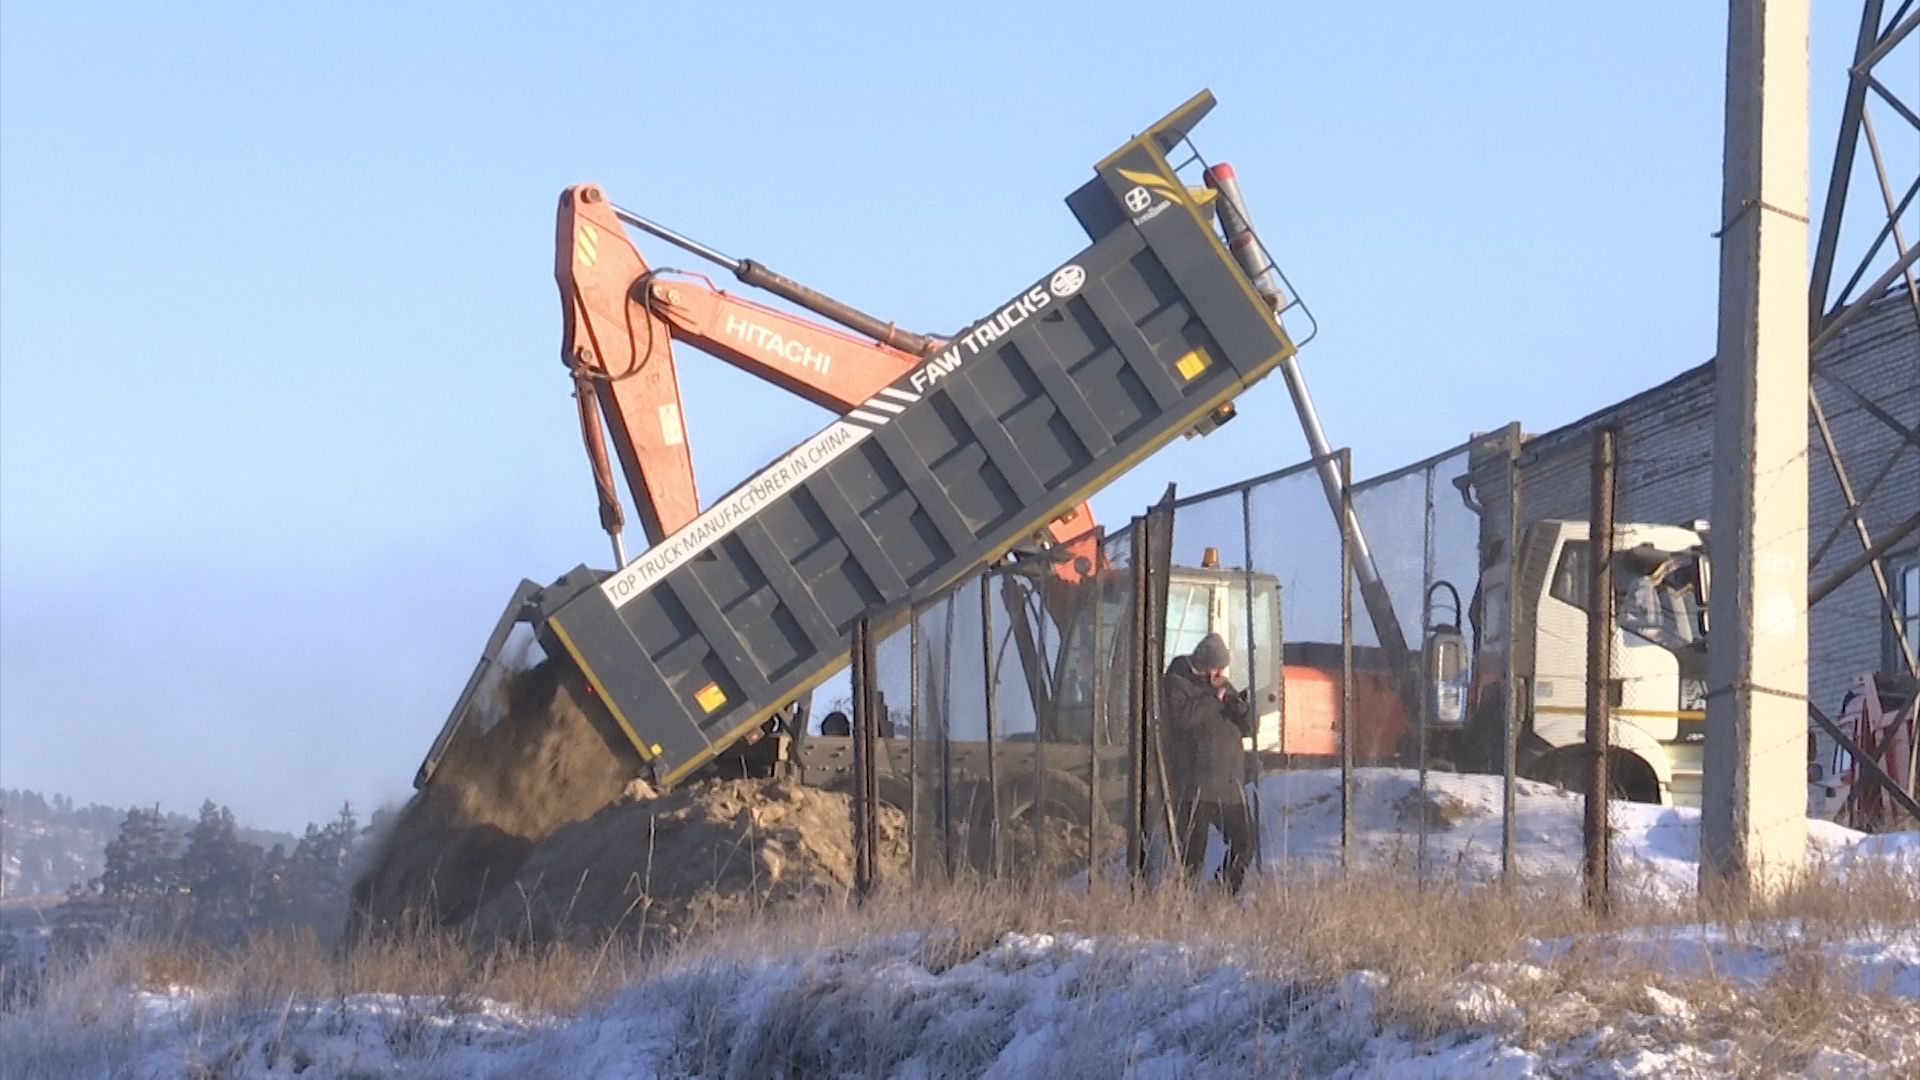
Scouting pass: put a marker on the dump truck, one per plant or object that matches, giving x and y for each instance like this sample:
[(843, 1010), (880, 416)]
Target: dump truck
[(948, 452), (1871, 780)]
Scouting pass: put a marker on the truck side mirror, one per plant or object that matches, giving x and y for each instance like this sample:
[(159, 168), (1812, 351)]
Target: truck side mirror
[(1446, 671)]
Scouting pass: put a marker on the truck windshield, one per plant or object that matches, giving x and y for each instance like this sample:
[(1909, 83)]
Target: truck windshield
[(1076, 661), (1190, 617), (1659, 602), (1656, 593)]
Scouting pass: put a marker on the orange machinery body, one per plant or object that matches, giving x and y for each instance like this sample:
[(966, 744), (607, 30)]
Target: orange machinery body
[(621, 320), (1311, 706)]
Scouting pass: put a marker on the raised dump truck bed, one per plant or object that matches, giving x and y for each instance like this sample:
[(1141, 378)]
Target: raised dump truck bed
[(1096, 363)]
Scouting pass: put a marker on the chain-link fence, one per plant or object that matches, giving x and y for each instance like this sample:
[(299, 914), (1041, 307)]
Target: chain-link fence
[(1004, 731), (1413, 652), (1022, 727)]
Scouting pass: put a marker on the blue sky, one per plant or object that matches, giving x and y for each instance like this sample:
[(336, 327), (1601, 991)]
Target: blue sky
[(282, 419)]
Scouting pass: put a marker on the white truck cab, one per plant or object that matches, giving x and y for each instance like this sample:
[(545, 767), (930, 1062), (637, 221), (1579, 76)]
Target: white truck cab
[(1657, 688)]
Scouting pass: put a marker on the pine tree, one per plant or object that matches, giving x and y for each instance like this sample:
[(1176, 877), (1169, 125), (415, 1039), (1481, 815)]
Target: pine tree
[(218, 869), (271, 903), (212, 847), (317, 871), (140, 861)]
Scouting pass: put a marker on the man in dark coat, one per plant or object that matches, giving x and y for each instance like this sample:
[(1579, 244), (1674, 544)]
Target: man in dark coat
[(1206, 719)]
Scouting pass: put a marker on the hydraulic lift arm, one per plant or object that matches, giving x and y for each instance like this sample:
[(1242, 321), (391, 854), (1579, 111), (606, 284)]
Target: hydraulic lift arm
[(1244, 242)]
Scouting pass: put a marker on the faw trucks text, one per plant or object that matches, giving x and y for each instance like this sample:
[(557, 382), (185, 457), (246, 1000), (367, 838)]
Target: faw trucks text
[(983, 334)]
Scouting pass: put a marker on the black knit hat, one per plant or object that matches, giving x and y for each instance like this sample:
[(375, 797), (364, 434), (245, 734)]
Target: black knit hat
[(1211, 653)]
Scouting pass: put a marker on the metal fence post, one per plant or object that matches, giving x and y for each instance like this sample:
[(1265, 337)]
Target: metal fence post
[(1097, 702), (1041, 706), (1159, 551), (1599, 666), (1510, 715), (991, 681), (1346, 657), (1425, 715), (1137, 709), (1253, 662), (864, 726), (913, 743), (944, 808)]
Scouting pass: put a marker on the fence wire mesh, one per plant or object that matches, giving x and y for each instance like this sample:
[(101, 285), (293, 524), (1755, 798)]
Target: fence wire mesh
[(1023, 735), (1006, 735), (1344, 774)]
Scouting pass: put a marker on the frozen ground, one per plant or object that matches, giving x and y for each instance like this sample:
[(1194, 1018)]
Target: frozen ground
[(1670, 998), (1027, 1005)]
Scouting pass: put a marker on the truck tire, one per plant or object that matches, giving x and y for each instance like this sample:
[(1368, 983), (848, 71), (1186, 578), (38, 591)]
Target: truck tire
[(1057, 806), (893, 791), (1628, 777)]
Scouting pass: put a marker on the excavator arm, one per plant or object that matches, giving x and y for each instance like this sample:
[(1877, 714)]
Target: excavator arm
[(621, 357), (621, 318)]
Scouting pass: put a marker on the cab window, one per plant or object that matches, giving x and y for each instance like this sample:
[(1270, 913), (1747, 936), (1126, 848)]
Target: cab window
[(1570, 574)]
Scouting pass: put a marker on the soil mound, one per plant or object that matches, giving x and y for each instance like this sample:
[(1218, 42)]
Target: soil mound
[(661, 867), (534, 829)]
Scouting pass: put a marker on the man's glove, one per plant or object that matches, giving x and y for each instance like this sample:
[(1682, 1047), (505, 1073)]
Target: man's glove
[(1234, 706)]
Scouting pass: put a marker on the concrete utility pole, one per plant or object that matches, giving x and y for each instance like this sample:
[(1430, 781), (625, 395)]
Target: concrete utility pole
[(1753, 825)]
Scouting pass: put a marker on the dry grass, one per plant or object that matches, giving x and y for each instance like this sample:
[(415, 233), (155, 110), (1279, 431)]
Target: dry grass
[(1473, 957), (554, 979), (1447, 958)]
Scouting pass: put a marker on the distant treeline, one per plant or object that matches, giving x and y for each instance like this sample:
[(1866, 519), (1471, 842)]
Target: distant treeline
[(215, 886), (206, 876)]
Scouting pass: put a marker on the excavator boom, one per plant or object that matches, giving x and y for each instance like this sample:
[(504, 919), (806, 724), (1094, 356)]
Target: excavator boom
[(621, 320)]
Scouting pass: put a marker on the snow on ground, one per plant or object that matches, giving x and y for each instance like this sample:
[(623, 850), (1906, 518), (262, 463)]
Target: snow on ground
[(903, 1005), (921, 1005), (179, 1032), (1655, 848), (1885, 962)]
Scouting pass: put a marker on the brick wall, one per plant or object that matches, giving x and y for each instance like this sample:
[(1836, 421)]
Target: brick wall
[(1665, 459)]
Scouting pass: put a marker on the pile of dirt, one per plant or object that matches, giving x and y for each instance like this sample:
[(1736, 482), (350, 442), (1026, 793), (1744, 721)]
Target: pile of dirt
[(534, 829), (1440, 809), (660, 867), (548, 755)]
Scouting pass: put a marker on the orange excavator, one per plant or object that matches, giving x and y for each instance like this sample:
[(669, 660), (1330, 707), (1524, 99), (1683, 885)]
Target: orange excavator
[(622, 318)]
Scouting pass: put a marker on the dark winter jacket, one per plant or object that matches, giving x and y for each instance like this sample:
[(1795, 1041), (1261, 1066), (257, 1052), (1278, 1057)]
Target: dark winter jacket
[(1204, 757)]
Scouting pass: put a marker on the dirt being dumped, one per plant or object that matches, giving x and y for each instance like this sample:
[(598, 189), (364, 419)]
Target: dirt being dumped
[(534, 829), (551, 756)]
